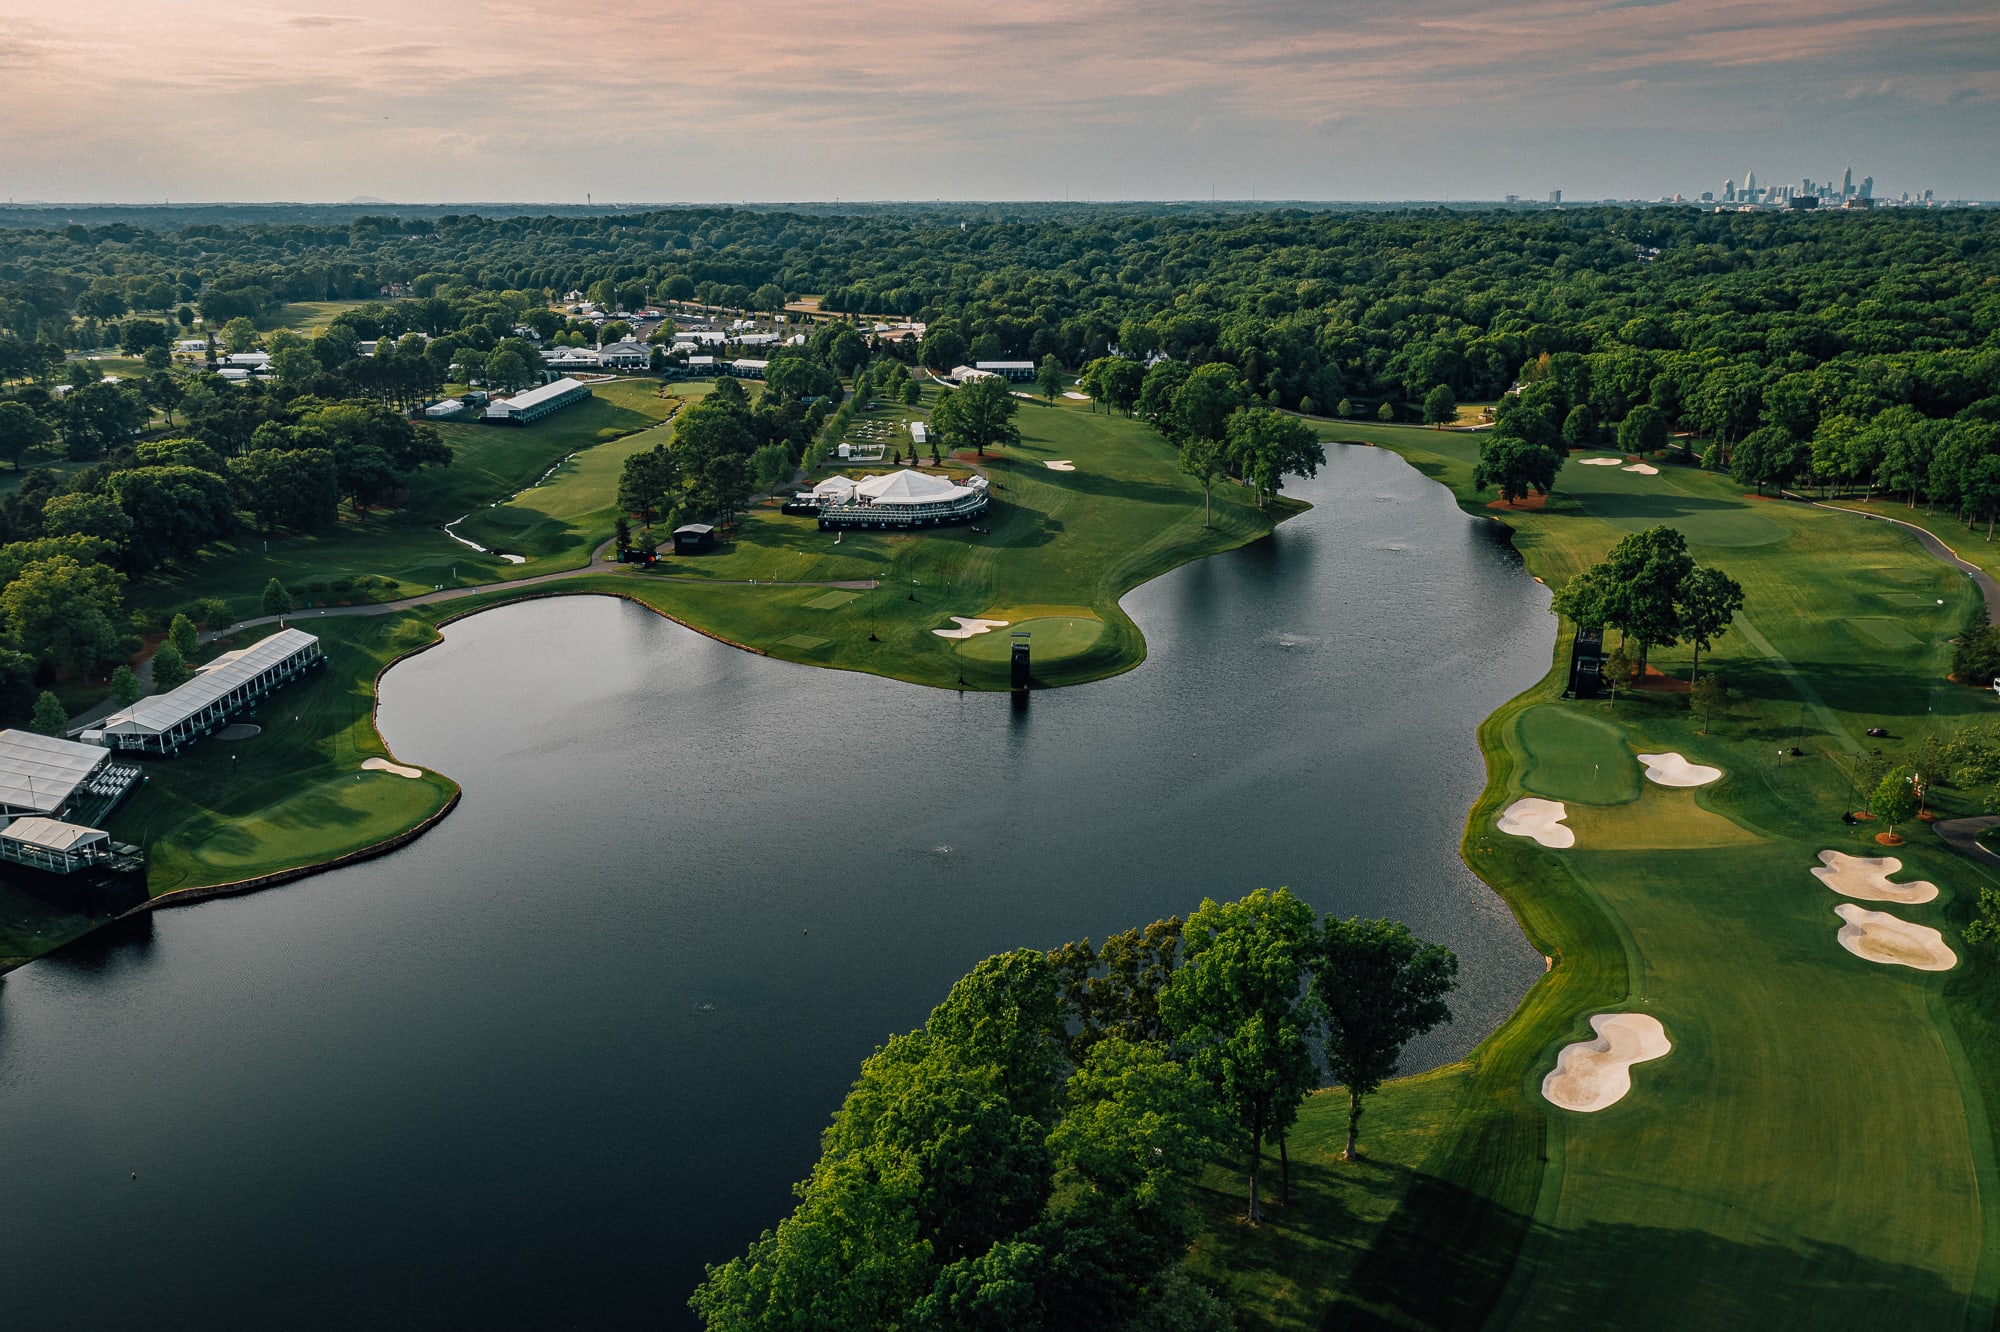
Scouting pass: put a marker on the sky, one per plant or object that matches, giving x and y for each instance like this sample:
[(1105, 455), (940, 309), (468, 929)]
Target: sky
[(644, 101)]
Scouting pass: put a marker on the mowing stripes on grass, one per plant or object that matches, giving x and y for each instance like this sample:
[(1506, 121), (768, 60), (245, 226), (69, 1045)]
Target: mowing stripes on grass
[(1885, 632), (831, 600), (804, 642)]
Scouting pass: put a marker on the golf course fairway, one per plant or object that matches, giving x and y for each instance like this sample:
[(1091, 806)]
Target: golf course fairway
[(1817, 1149)]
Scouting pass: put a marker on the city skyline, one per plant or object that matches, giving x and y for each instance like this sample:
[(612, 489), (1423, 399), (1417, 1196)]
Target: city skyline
[(1442, 99)]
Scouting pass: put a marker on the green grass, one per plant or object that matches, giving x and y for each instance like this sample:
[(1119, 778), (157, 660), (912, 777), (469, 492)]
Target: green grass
[(1816, 1150), (294, 794), (308, 317), (1061, 547), (403, 544)]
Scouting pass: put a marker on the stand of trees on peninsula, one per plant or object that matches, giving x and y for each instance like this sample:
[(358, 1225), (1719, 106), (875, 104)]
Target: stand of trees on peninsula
[(1027, 1158)]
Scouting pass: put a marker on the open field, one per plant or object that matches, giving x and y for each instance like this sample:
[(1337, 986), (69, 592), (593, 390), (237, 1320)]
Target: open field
[(308, 317), (1816, 1149)]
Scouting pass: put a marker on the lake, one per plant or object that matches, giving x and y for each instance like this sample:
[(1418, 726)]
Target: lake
[(539, 1067)]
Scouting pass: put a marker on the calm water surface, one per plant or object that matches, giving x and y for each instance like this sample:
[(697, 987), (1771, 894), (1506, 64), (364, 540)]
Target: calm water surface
[(536, 1069)]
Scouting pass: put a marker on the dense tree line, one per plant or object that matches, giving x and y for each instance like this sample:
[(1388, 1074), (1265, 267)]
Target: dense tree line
[(1027, 1158)]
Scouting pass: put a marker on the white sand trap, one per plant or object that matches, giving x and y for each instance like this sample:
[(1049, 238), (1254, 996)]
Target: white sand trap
[(970, 628), (1060, 465), (1072, 393), (1539, 819), (1590, 1075), (1881, 937), (1644, 469), (1600, 462), (1867, 877), (1673, 770), (383, 765)]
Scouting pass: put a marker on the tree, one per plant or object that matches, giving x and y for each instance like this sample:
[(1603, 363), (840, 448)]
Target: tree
[(1264, 444), (1157, 391), (980, 415), (1049, 377), (1618, 668), (648, 484), (21, 432), (1646, 572), (942, 349), (1579, 429), (1440, 407), (170, 668), (86, 515), (1708, 696), (1893, 801), (1203, 403), (64, 612), (1385, 412), (1709, 600), (239, 335), (1643, 431), (181, 633), (50, 717), (1344, 408), (276, 600), (1115, 991), (125, 686), (1380, 987), (1516, 466), (1204, 460), (1236, 1006)]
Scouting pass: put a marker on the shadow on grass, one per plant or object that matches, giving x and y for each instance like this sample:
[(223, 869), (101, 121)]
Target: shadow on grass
[(1446, 1258)]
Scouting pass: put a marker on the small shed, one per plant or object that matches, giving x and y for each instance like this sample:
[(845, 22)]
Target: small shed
[(693, 538)]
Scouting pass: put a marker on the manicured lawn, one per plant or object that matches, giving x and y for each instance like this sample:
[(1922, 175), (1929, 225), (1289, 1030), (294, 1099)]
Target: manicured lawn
[(1060, 547), (308, 317), (1816, 1149)]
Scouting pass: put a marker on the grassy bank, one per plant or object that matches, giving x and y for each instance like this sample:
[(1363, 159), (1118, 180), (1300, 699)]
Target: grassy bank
[(1816, 1148)]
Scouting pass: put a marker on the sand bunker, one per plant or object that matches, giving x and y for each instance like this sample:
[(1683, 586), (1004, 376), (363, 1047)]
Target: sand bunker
[(969, 627), (1867, 877), (1600, 462), (1881, 937), (1061, 465), (1072, 393), (1673, 770), (1590, 1075), (383, 765), (1539, 819), (1644, 469)]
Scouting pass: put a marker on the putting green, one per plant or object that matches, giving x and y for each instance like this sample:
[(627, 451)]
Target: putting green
[(1574, 756), (831, 600), (804, 642), (1052, 637)]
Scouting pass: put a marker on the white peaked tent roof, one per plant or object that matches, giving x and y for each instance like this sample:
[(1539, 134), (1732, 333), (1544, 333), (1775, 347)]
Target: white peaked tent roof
[(908, 487), (835, 485)]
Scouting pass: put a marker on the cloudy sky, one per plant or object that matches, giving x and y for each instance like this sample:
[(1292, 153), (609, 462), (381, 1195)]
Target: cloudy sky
[(679, 100)]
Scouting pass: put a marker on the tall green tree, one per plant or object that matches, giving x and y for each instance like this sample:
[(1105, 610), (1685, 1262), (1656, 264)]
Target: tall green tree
[(1709, 600), (1238, 1008), (1440, 407), (170, 668), (1646, 572), (65, 613), (1380, 988), (979, 416), (125, 686), (50, 717), (1205, 460), (1517, 467), (181, 633), (649, 484), (1049, 377), (276, 600), (1643, 431), (22, 431), (1264, 445)]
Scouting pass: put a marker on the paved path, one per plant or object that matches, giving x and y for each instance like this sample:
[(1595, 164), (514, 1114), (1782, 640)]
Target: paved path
[(1960, 836), (1988, 588)]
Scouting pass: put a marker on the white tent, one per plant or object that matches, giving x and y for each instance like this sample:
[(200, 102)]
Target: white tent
[(837, 489), (908, 487)]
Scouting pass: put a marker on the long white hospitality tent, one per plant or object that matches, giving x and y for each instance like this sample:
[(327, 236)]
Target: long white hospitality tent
[(40, 774), (163, 723)]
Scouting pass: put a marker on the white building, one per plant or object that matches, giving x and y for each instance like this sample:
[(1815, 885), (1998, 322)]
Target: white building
[(163, 723), (247, 360), (965, 374), (1014, 370), (449, 407), (630, 354), (530, 407)]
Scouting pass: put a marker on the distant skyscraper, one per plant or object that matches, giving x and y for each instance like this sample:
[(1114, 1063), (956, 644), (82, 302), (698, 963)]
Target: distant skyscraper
[(1729, 191), (1555, 196), (1750, 185), (1847, 183), (1868, 187)]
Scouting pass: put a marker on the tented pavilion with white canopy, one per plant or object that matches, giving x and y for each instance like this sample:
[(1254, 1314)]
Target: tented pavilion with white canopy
[(902, 499)]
